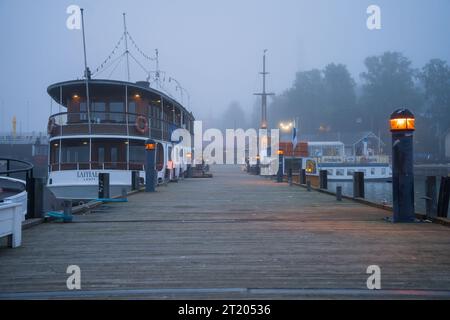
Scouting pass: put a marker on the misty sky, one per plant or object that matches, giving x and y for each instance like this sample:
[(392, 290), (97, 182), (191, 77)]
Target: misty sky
[(213, 47)]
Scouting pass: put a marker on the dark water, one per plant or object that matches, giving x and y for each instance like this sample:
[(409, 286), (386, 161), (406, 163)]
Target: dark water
[(381, 192)]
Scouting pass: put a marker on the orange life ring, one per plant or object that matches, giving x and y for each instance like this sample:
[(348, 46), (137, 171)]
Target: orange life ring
[(141, 124), (50, 125)]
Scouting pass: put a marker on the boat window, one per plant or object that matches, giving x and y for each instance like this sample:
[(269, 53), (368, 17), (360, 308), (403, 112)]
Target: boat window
[(101, 154), (339, 172), (330, 172), (372, 171), (83, 111), (116, 110), (99, 109), (137, 151), (75, 151), (54, 152), (132, 110), (383, 171), (350, 172), (159, 157), (114, 154)]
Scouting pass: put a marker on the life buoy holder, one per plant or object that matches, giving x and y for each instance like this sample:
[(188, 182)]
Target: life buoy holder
[(50, 125), (141, 124)]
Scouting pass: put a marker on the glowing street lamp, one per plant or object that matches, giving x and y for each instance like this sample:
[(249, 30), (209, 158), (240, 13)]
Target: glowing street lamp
[(286, 126), (402, 120)]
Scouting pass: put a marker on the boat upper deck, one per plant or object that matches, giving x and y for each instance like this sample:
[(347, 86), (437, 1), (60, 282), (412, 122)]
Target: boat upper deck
[(115, 108)]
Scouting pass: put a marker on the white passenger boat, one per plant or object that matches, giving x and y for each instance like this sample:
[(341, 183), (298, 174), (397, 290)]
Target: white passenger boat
[(110, 138), (330, 156)]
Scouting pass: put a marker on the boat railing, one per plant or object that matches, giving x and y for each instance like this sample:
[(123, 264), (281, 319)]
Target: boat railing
[(95, 165), (111, 123), (23, 169)]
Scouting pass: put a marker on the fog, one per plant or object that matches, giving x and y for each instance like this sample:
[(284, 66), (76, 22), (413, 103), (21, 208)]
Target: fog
[(213, 48)]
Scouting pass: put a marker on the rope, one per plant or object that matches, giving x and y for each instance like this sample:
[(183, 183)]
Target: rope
[(112, 62), (139, 50), (101, 66)]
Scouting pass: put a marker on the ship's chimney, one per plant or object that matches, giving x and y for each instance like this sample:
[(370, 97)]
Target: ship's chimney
[(144, 84)]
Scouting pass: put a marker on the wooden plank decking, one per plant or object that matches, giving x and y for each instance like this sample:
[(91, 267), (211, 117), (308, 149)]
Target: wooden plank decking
[(233, 236)]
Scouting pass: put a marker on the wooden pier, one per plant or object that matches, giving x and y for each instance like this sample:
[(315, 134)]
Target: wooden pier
[(232, 236)]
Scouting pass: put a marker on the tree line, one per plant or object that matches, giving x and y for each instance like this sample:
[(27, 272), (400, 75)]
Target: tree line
[(329, 100)]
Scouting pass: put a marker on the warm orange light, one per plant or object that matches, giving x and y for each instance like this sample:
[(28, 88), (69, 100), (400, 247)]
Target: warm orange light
[(188, 155), (280, 152), (75, 96), (402, 124), (150, 146), (257, 157), (137, 96)]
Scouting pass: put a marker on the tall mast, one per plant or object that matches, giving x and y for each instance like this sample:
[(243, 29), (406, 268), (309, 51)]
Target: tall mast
[(87, 76), (264, 95), (126, 45)]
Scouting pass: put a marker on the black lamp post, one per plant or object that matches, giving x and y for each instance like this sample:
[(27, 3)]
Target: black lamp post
[(280, 165), (402, 125), (150, 168)]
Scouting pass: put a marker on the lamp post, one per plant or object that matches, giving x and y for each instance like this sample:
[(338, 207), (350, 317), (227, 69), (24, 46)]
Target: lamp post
[(402, 125), (280, 165), (150, 168)]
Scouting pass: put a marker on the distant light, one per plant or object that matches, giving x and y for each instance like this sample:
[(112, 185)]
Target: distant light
[(280, 152), (75, 96), (126, 142), (55, 144), (85, 142), (137, 95), (286, 126)]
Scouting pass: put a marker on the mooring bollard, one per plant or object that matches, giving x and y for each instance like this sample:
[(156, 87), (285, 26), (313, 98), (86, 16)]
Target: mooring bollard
[(103, 185), (308, 185), (402, 123), (430, 196), (135, 180), (444, 197), (280, 166), (358, 185), (67, 211), (124, 193), (150, 167), (339, 193), (323, 179), (303, 176), (290, 177)]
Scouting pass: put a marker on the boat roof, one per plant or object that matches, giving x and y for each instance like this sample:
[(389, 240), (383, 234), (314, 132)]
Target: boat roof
[(54, 89)]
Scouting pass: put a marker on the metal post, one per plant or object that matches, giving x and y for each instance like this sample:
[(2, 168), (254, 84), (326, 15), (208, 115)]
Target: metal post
[(103, 185), (402, 127), (302, 176), (308, 185), (339, 193), (358, 185), (30, 194), (280, 166), (150, 168), (430, 196), (323, 179), (134, 180), (290, 176), (444, 197), (67, 209)]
